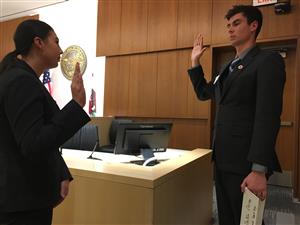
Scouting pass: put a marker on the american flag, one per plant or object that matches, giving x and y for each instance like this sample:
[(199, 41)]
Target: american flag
[(47, 81)]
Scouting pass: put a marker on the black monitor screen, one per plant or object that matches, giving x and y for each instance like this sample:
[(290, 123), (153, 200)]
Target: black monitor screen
[(134, 136)]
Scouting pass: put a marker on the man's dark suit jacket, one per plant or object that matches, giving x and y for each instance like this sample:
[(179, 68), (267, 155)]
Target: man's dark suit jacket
[(32, 128), (248, 109)]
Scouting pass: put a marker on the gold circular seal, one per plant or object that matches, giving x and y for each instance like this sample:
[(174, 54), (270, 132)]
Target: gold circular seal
[(70, 57)]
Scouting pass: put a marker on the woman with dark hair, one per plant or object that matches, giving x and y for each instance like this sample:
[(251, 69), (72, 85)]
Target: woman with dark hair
[(33, 176)]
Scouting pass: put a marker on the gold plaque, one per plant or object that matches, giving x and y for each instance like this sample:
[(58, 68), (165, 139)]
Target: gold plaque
[(70, 57)]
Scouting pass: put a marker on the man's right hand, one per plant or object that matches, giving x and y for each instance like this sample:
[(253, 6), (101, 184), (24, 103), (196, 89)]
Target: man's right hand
[(198, 50), (77, 87)]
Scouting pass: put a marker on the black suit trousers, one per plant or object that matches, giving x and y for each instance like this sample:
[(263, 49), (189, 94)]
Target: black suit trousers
[(229, 196), (32, 217)]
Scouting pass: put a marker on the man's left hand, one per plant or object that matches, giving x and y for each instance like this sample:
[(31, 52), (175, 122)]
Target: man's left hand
[(257, 183)]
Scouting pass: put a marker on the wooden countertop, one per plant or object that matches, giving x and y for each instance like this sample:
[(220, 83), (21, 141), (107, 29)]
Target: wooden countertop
[(116, 167)]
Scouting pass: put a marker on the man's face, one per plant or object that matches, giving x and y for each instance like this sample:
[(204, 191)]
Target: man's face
[(239, 31)]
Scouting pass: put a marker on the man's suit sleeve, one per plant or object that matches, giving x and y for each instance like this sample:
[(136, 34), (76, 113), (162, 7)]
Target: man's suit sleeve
[(269, 98), (25, 109), (202, 89)]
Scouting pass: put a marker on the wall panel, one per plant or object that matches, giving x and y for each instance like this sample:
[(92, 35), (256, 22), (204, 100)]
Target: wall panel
[(162, 24), (193, 17), (190, 134), (117, 70), (134, 16), (142, 85), (219, 30), (171, 86), (276, 26), (109, 27)]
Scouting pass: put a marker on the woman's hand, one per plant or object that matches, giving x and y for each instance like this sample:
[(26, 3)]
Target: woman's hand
[(77, 87)]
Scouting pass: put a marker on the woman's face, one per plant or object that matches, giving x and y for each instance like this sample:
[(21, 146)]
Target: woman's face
[(52, 50)]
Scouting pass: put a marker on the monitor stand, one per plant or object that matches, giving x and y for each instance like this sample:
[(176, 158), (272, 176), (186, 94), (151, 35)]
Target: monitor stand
[(147, 153)]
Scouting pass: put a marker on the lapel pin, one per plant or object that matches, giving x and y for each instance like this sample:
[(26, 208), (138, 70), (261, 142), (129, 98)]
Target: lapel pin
[(240, 67)]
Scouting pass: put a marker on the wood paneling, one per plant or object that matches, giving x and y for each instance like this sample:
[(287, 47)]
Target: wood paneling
[(109, 27), (116, 86), (190, 134), (275, 26), (171, 86), (197, 108), (154, 85), (193, 17), (219, 30), (134, 26), (162, 24), (7, 30), (142, 83)]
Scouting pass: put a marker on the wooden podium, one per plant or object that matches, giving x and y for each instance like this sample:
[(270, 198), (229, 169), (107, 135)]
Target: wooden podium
[(176, 191)]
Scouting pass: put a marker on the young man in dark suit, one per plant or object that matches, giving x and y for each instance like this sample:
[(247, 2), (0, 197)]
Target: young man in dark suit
[(248, 94)]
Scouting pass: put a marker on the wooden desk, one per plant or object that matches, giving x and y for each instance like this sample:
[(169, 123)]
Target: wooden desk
[(176, 191)]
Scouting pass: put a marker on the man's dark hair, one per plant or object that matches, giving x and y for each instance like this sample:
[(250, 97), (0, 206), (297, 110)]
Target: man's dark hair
[(252, 13)]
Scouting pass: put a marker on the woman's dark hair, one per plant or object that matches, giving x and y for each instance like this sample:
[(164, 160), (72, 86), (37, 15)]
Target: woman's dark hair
[(23, 39), (252, 13)]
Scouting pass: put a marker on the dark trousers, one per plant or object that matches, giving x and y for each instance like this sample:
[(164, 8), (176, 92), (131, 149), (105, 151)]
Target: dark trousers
[(229, 197), (33, 217)]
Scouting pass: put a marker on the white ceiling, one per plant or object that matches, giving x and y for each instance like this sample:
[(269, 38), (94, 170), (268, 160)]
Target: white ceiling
[(10, 9)]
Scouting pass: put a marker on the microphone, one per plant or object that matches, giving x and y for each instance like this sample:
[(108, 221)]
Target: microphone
[(94, 149)]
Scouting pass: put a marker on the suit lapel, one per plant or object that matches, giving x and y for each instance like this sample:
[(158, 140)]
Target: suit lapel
[(238, 70)]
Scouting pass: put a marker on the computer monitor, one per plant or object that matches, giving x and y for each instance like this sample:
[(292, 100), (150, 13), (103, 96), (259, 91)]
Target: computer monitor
[(134, 136)]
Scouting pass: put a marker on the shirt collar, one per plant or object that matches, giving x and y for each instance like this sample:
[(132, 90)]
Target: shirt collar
[(245, 52)]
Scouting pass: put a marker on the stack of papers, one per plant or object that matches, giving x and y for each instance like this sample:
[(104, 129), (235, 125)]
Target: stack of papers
[(252, 209)]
